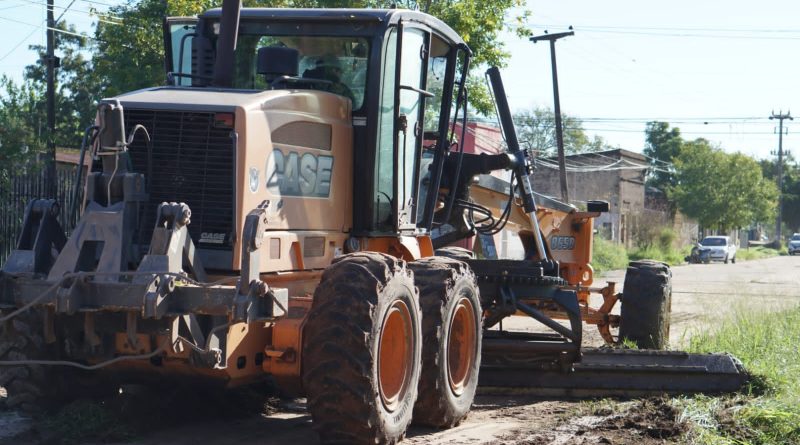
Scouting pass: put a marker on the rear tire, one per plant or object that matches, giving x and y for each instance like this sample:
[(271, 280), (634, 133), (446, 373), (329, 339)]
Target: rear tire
[(362, 346), (646, 304), (456, 253), (451, 332)]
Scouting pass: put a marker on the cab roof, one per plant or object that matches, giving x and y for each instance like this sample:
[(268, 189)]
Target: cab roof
[(387, 17)]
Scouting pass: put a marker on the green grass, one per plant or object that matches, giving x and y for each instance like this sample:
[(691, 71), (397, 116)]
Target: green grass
[(768, 412), (755, 253), (669, 255), (607, 255)]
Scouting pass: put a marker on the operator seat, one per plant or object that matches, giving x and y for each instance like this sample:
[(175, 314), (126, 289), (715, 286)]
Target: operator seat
[(329, 69)]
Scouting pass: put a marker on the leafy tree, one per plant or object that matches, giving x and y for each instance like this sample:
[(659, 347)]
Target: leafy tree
[(76, 86), (537, 130), (129, 53), (23, 106), (791, 189), (23, 126), (663, 146), (722, 190)]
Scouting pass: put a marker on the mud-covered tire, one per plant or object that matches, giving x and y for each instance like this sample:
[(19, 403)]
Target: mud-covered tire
[(451, 332), (35, 389), (456, 253), (364, 318), (28, 387), (646, 304)]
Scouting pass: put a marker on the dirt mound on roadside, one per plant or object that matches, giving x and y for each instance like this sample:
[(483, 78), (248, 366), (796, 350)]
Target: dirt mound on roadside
[(653, 418)]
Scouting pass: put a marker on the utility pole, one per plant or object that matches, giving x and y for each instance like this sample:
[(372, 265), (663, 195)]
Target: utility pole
[(562, 162), (52, 63), (780, 116)]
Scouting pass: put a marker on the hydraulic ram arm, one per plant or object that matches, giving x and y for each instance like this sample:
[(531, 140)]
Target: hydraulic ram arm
[(523, 168)]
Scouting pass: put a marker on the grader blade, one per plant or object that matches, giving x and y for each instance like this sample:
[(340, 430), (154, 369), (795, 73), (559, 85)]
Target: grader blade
[(607, 372)]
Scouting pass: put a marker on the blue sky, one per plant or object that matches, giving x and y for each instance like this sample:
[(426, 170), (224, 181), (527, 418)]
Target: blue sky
[(714, 68)]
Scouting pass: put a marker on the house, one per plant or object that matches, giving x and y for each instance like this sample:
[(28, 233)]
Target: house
[(616, 176)]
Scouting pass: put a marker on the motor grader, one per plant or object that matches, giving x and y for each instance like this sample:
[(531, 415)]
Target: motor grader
[(286, 205)]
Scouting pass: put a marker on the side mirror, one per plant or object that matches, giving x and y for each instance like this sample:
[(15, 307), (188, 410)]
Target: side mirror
[(597, 206), (275, 61), (112, 126)]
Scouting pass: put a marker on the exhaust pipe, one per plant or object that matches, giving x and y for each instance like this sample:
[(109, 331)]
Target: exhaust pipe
[(226, 44)]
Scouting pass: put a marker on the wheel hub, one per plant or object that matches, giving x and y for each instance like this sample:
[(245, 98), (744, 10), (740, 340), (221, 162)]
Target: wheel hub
[(395, 355), (461, 346)]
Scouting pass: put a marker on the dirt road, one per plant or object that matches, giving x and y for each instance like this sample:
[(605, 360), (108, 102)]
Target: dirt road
[(703, 295)]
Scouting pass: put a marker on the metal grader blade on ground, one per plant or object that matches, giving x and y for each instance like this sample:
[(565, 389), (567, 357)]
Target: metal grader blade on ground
[(520, 366)]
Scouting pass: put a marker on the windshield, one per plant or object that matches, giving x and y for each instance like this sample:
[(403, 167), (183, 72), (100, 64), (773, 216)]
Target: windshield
[(796, 237), (335, 64), (713, 242)]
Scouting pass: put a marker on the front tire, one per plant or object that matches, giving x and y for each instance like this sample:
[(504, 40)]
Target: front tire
[(26, 385), (646, 304), (452, 333), (31, 388), (362, 350)]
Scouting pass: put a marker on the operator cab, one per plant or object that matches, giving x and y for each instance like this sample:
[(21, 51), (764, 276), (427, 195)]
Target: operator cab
[(398, 68)]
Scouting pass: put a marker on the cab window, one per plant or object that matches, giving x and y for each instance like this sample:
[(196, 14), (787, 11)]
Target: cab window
[(340, 63)]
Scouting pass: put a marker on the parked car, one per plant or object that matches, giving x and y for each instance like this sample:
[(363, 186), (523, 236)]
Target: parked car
[(718, 248), (794, 244)]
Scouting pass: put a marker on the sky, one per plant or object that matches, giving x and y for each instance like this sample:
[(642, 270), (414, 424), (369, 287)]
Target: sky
[(716, 69)]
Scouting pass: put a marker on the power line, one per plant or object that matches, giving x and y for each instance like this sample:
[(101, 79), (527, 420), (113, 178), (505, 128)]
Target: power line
[(93, 2), (62, 31), (11, 7), (25, 39), (681, 29), (100, 16), (692, 32), (65, 10)]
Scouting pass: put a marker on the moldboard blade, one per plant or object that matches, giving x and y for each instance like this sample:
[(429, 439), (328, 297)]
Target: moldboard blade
[(619, 372)]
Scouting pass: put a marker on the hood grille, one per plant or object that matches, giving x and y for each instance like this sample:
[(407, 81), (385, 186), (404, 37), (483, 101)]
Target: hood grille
[(192, 162)]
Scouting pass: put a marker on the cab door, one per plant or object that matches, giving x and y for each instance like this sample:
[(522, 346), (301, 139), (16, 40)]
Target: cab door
[(400, 130)]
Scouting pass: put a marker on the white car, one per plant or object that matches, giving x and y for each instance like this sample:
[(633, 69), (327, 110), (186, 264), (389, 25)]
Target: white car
[(720, 248), (794, 244)]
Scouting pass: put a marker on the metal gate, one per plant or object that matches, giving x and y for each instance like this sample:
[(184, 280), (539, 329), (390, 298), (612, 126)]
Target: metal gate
[(26, 184)]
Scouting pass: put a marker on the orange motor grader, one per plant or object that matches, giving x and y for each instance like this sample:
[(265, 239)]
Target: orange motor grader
[(284, 207)]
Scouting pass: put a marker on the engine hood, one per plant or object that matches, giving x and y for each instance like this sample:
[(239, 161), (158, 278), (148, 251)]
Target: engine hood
[(210, 99)]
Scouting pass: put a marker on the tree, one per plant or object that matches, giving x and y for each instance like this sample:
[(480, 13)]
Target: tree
[(23, 106), (537, 131), (791, 189), (663, 146), (76, 86), (129, 52), (722, 190), (23, 125)]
